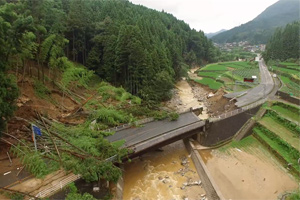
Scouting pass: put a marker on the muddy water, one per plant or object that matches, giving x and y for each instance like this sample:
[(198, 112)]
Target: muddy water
[(160, 175), (188, 100)]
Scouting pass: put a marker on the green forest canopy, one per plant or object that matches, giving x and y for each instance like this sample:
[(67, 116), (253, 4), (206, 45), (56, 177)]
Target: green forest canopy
[(284, 44), (140, 49)]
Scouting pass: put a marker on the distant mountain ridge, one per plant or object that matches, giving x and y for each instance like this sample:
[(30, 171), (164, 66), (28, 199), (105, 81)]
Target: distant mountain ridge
[(210, 35), (260, 29)]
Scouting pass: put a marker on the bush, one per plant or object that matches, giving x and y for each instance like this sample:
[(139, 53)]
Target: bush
[(73, 194), (41, 90), (173, 116), (111, 116), (8, 93), (294, 196)]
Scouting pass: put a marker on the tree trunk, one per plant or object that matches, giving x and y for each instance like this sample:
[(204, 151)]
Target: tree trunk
[(43, 73), (38, 69), (23, 76), (73, 50)]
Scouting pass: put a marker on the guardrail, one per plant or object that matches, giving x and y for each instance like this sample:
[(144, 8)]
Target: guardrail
[(47, 192), (237, 111), (142, 121)]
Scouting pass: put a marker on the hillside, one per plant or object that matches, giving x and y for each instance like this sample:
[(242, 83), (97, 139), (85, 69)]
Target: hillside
[(260, 29), (140, 49), (210, 35), (78, 68)]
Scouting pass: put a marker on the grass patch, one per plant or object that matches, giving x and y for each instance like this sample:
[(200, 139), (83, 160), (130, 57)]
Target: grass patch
[(289, 71), (209, 74), (289, 64), (214, 67), (212, 84), (294, 195), (285, 79), (243, 144), (292, 127), (280, 130), (287, 113), (290, 154)]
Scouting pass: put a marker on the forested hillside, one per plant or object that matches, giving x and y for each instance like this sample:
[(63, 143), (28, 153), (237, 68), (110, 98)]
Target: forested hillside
[(284, 44), (142, 50), (261, 28)]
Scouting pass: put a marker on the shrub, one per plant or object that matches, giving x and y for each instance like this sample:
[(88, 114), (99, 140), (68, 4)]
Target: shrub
[(41, 90)]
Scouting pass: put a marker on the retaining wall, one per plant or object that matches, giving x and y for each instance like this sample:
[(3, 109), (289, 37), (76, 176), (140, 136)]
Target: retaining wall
[(211, 188), (225, 129), (288, 98), (118, 193)]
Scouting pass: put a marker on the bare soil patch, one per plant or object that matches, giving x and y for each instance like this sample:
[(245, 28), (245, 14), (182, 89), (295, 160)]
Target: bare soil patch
[(248, 173), (191, 94), (216, 104)]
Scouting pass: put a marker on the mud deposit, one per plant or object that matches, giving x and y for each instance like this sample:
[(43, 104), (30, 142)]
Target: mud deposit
[(248, 173)]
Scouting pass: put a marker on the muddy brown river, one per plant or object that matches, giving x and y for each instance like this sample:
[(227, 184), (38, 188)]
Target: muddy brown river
[(162, 175)]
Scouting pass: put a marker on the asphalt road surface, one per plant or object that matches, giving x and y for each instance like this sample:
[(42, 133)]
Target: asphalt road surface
[(135, 135), (259, 92), (12, 178)]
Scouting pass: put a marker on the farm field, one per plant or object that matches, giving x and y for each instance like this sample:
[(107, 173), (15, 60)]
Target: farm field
[(211, 83), (289, 73), (271, 151), (282, 131), (290, 112), (229, 75), (279, 130)]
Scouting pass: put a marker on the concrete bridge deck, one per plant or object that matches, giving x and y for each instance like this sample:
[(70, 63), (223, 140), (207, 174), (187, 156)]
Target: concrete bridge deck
[(157, 132)]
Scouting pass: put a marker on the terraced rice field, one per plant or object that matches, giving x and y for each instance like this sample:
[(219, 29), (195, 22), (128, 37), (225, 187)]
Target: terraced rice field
[(279, 130), (289, 73), (226, 74), (289, 114), (282, 131), (211, 83), (263, 165)]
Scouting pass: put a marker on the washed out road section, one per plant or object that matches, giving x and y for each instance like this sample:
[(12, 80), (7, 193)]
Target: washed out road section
[(149, 130)]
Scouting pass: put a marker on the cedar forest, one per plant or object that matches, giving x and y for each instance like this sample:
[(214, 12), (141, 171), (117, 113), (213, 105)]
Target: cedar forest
[(142, 50), (137, 49)]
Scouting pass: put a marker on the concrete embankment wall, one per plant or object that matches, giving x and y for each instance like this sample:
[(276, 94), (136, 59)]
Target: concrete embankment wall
[(225, 129), (211, 188), (118, 193), (288, 98)]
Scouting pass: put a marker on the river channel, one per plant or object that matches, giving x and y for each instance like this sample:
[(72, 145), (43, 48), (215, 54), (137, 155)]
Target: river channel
[(162, 175), (165, 174)]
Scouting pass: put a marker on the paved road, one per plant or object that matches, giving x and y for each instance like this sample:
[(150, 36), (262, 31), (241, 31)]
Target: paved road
[(261, 91), (153, 129), (11, 178)]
